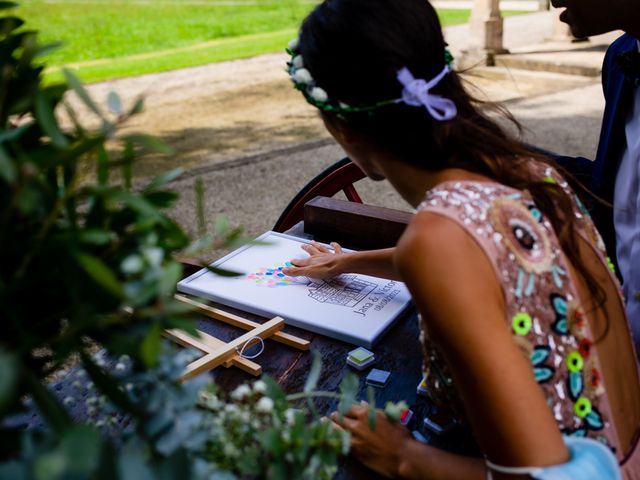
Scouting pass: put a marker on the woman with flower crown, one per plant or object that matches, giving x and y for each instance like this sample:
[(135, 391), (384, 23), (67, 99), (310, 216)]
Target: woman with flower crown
[(522, 321)]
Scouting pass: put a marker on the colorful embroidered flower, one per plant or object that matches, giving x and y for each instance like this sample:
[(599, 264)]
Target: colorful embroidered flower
[(541, 371), (585, 347), (612, 267), (522, 234), (560, 307), (575, 362), (582, 407), (521, 323), (577, 321)]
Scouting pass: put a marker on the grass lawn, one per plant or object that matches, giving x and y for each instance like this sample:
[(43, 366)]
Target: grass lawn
[(105, 39)]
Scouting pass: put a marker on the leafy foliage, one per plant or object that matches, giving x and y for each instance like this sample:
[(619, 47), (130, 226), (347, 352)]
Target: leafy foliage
[(79, 262), (258, 433), (82, 264), (90, 264)]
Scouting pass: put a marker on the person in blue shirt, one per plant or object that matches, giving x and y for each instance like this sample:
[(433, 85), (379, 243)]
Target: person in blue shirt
[(614, 176)]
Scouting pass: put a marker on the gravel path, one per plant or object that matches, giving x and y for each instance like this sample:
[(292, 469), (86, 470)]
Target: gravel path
[(240, 126)]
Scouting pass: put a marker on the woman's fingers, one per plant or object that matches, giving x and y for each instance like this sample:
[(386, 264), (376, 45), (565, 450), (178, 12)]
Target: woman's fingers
[(298, 265), (335, 425), (356, 411), (314, 248), (292, 271), (301, 262), (321, 262), (344, 422)]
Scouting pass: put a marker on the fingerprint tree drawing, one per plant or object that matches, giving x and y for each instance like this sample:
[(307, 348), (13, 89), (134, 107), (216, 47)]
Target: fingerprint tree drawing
[(273, 277), (345, 290)]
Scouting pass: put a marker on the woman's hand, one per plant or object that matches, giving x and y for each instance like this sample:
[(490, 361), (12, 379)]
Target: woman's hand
[(321, 262), (380, 449)]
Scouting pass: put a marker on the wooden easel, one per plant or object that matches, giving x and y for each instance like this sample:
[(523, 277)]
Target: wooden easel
[(216, 352)]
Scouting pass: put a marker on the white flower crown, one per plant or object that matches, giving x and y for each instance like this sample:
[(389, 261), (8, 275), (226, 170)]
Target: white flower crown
[(415, 92)]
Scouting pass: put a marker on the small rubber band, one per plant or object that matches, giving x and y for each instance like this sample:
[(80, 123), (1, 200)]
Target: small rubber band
[(246, 344)]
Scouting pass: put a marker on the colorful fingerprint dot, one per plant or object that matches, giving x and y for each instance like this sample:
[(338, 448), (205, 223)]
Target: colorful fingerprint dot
[(273, 277)]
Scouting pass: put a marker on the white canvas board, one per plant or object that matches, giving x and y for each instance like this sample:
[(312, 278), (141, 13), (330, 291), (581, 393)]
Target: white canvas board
[(354, 308)]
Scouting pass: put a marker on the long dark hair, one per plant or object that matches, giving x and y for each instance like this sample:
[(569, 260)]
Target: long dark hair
[(354, 49)]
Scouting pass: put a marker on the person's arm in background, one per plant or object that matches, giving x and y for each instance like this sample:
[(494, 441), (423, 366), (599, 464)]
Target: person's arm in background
[(580, 168)]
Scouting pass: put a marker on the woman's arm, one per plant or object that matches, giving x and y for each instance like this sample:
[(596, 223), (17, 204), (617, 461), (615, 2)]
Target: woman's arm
[(455, 288), (391, 451), (324, 263)]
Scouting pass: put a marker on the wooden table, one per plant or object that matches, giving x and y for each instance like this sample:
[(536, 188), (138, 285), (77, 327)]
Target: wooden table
[(398, 351)]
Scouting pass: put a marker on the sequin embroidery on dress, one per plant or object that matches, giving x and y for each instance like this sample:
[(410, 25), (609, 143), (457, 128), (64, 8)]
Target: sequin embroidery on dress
[(543, 314)]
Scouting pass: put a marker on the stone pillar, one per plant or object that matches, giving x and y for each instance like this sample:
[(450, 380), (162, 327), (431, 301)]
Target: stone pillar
[(485, 26)]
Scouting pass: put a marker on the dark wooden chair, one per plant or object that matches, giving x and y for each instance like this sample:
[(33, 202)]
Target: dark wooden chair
[(351, 223), (338, 177)]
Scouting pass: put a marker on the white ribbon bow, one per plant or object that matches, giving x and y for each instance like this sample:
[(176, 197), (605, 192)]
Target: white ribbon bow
[(416, 93)]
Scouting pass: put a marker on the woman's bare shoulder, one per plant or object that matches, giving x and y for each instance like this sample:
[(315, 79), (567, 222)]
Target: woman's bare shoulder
[(448, 273)]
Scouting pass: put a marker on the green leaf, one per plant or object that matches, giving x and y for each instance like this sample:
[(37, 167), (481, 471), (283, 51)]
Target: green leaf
[(170, 277), (161, 199), (186, 324), (127, 164), (349, 389), (149, 143), (221, 226), (100, 272), (52, 411), (14, 133), (48, 48), (102, 164), (7, 168), (137, 203), (371, 398), (49, 465), (134, 467), (163, 179), (202, 225), (221, 272), (94, 236), (8, 378), (138, 106), (274, 391), (108, 385), (150, 346), (9, 24), (81, 446), (15, 470), (114, 103), (75, 83), (272, 442), (314, 373), (47, 120)]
